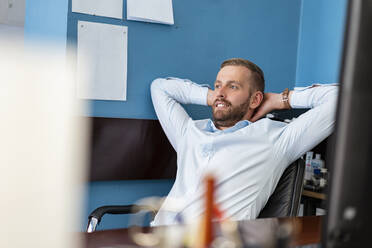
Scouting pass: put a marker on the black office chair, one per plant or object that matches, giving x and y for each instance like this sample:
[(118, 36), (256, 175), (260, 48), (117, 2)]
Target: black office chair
[(284, 201)]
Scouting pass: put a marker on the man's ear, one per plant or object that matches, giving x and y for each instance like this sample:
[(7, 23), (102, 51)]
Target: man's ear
[(256, 99)]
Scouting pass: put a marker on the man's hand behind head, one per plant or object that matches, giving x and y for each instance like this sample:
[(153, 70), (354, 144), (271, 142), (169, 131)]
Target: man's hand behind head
[(271, 101), (210, 97)]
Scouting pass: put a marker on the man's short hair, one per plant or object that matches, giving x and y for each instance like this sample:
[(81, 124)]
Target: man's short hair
[(257, 73)]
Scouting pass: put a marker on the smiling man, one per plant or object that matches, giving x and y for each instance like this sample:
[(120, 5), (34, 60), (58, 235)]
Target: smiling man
[(246, 153), (238, 92)]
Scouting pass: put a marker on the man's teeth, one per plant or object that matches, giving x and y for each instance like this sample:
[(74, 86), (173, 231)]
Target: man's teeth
[(220, 105)]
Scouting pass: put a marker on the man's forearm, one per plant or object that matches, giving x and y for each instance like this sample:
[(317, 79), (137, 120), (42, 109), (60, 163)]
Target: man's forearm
[(312, 127), (289, 97), (167, 94), (308, 95), (278, 102), (271, 102), (181, 90), (313, 96), (278, 99)]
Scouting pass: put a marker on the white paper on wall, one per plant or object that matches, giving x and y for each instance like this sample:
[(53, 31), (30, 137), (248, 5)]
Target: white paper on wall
[(108, 8), (158, 11), (102, 61)]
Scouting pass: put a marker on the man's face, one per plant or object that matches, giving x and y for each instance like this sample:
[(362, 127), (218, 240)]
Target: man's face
[(231, 95)]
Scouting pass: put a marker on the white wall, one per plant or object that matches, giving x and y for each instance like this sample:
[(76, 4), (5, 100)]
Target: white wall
[(10, 32), (12, 19), (12, 12)]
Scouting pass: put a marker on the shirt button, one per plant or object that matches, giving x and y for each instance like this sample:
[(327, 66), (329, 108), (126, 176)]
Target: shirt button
[(206, 150)]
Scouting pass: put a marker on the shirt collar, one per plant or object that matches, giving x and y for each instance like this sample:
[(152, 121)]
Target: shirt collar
[(210, 127)]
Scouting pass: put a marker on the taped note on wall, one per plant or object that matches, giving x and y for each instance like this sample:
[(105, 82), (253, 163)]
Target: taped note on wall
[(102, 61), (108, 8), (158, 11)]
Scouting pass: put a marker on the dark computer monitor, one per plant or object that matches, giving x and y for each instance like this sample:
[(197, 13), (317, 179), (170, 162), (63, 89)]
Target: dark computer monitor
[(349, 219)]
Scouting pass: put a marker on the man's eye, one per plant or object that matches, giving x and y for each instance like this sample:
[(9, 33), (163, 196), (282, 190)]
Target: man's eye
[(217, 86), (233, 87)]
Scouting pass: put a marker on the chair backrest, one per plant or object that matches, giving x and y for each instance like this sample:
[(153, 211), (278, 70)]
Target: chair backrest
[(285, 200)]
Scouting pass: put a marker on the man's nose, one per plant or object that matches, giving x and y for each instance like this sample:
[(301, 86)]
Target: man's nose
[(221, 92)]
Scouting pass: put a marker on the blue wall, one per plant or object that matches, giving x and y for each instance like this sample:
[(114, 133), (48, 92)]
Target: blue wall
[(321, 41), (46, 21), (205, 33)]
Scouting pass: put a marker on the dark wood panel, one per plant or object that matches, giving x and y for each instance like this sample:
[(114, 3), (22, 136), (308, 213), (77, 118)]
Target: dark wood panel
[(123, 149), (128, 149)]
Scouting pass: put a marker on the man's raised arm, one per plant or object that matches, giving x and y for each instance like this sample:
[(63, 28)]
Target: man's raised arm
[(167, 96), (311, 127), (315, 125)]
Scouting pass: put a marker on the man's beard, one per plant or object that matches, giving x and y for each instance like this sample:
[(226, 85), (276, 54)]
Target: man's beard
[(230, 116)]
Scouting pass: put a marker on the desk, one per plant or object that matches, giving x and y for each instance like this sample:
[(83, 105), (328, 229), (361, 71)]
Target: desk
[(308, 232)]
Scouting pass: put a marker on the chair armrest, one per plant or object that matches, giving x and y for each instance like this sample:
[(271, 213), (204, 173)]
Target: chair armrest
[(96, 215), (115, 209)]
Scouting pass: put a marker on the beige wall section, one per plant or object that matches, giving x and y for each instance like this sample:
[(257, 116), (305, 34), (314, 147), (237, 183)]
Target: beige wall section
[(43, 150)]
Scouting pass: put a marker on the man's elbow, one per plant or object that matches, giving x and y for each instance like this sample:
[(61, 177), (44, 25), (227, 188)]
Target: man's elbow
[(333, 95), (156, 84), (330, 95)]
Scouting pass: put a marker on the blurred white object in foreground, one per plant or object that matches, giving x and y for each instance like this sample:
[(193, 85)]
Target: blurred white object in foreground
[(42, 150)]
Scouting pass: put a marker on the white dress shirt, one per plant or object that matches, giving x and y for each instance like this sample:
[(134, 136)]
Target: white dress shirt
[(247, 159)]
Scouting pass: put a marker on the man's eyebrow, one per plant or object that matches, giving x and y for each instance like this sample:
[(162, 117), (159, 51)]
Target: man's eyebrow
[(229, 82), (233, 82)]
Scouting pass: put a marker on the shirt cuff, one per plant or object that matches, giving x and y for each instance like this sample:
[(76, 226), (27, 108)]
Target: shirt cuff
[(299, 97), (200, 94)]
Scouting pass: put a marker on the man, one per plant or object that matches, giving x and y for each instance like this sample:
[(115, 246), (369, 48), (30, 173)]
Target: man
[(246, 154)]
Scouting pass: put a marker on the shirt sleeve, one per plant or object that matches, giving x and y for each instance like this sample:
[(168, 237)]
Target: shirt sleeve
[(309, 129), (167, 96)]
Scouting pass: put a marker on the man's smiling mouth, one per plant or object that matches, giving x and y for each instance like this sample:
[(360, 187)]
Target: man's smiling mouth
[(221, 104)]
